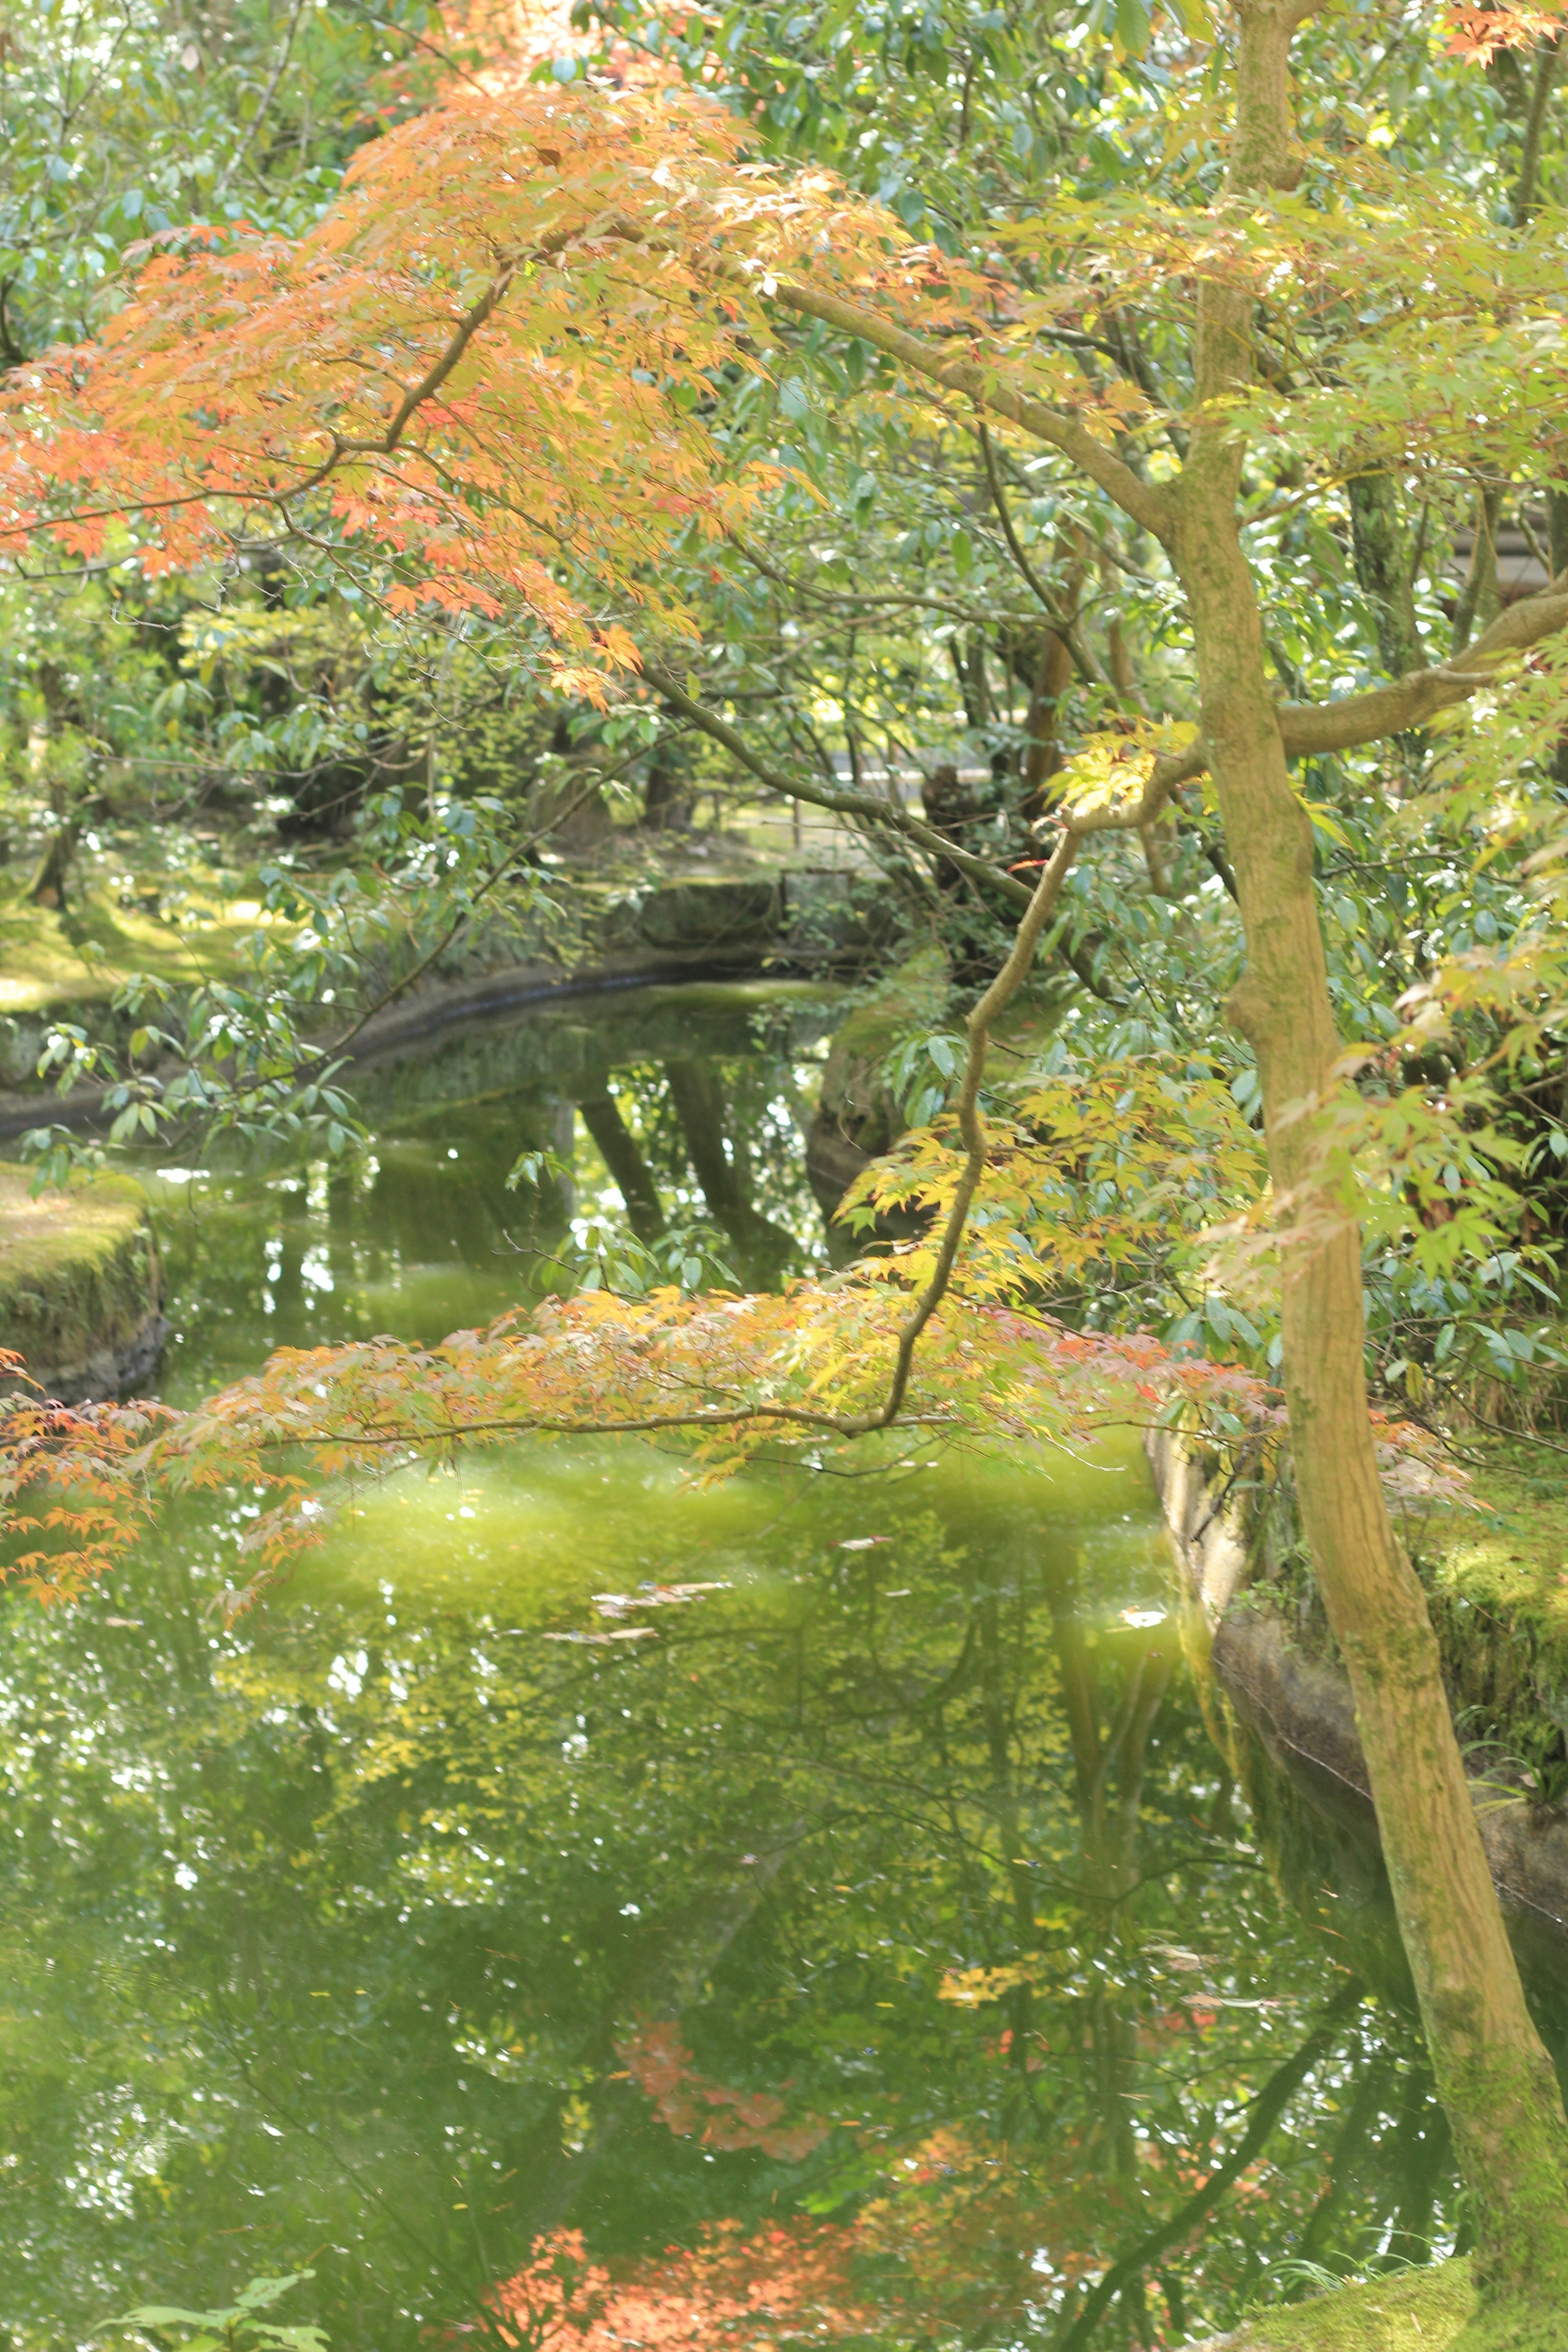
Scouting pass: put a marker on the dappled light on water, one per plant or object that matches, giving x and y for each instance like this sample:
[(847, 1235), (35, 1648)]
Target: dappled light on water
[(575, 1907)]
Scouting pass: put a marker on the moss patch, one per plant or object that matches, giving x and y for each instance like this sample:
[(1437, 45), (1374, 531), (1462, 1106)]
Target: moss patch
[(82, 956), (1421, 2312), (1497, 1584), (79, 1276)]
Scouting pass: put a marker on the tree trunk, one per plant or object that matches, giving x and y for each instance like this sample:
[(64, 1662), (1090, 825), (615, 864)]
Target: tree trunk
[(48, 884), (667, 796), (1044, 756), (1382, 547), (622, 1155), (1495, 2079), (1479, 601)]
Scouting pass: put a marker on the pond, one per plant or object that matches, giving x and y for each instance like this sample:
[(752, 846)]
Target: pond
[(830, 1907)]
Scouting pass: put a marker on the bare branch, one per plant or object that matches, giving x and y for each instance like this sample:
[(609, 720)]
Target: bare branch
[(886, 814), (1088, 667)]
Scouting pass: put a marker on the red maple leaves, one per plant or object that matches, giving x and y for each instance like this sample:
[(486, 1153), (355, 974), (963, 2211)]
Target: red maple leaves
[(661, 2067), (1480, 33), (779, 2283)]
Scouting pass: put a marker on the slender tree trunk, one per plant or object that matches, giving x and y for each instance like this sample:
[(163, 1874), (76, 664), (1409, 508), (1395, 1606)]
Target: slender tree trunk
[(622, 1155), (48, 884), (1382, 547), (1479, 600), (1044, 756), (1493, 2075)]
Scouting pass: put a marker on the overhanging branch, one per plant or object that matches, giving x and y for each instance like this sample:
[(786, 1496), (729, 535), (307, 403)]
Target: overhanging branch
[(886, 814), (1166, 779), (1150, 508), (1410, 701)]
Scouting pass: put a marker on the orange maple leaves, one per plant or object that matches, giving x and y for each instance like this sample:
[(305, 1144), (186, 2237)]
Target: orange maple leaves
[(791, 1370), (778, 2283), (660, 2063), (1480, 33), (486, 367), (69, 1493)]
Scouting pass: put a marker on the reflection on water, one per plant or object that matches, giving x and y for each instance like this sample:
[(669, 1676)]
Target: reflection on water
[(810, 1910)]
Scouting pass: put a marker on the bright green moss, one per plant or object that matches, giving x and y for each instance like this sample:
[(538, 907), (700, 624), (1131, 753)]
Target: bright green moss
[(1497, 1582), (79, 1273), (52, 961), (1423, 2311)]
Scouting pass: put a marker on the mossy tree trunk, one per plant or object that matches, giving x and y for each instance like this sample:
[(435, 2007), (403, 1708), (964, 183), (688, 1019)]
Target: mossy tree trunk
[(622, 1155), (1496, 2081), (1383, 567), (48, 887)]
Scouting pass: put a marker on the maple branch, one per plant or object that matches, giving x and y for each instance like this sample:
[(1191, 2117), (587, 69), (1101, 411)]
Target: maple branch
[(861, 804), (1089, 669), (1307, 726), (979, 1025), (834, 1424), (1150, 508), (971, 1125), (1267, 2109), (435, 376)]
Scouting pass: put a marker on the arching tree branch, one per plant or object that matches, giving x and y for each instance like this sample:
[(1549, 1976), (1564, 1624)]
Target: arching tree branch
[(1413, 699), (1150, 508)]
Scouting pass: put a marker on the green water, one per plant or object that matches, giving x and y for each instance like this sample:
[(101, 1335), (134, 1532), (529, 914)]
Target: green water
[(888, 1893)]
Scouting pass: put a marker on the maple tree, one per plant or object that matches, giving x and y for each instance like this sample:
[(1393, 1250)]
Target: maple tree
[(783, 2283), (499, 396)]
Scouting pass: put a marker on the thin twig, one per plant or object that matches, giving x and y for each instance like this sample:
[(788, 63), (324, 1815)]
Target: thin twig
[(1083, 660), (264, 103)]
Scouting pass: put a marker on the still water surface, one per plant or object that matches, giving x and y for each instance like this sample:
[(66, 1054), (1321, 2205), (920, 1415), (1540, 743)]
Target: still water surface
[(813, 1910)]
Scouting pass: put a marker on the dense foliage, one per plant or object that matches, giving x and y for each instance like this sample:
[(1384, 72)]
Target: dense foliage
[(815, 398)]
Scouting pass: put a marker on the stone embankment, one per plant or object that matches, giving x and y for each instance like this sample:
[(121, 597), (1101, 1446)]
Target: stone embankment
[(82, 1287), (1295, 1696), (679, 929)]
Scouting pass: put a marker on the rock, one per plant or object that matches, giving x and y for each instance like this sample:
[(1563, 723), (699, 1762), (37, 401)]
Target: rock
[(21, 1043), (738, 913), (81, 1285), (857, 1118), (1300, 1707)]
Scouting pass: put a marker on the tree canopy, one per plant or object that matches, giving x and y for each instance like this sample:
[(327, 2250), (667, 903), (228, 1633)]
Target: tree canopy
[(1161, 412)]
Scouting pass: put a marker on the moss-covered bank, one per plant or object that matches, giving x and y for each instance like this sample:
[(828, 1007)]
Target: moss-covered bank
[(1419, 2311), (1434, 2310), (1497, 1583), (80, 1284), (592, 933)]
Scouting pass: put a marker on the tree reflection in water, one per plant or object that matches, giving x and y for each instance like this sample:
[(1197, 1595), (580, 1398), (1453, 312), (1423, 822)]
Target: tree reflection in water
[(871, 1949)]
